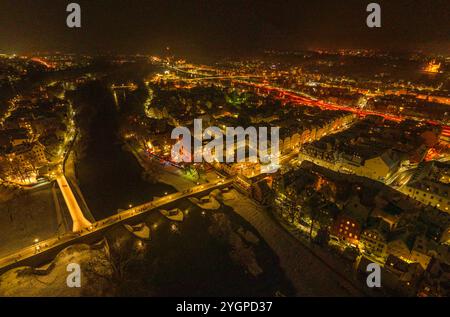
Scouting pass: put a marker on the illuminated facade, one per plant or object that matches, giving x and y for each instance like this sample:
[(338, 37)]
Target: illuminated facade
[(432, 67)]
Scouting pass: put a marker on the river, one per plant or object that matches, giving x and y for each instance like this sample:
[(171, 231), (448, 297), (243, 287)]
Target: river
[(181, 259)]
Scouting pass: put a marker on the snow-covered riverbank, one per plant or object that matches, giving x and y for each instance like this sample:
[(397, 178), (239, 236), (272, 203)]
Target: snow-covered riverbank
[(309, 275), (50, 280)]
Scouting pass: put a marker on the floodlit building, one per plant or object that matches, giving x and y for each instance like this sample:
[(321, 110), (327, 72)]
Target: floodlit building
[(23, 162), (409, 247), (374, 238), (350, 221), (430, 186)]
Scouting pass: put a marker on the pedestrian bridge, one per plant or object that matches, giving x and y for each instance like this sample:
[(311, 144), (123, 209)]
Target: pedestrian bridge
[(86, 232)]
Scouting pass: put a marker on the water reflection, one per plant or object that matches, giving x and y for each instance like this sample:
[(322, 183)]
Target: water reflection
[(181, 259)]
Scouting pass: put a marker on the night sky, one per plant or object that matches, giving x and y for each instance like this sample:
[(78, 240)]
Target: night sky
[(202, 26)]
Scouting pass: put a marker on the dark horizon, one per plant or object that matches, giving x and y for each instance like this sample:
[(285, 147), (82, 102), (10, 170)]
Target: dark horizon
[(199, 27)]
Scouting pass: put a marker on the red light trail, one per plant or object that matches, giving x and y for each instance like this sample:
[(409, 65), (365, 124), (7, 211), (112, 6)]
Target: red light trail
[(328, 106), (42, 62)]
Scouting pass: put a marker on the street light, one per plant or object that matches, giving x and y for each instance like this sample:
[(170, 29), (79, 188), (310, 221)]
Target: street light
[(139, 245)]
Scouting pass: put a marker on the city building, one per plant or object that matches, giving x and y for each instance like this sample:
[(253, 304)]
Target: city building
[(22, 162), (374, 238), (430, 185), (349, 223)]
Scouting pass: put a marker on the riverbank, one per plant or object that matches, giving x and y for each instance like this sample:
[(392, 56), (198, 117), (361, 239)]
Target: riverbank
[(309, 275), (40, 213), (169, 175), (178, 256), (50, 280), (71, 176)]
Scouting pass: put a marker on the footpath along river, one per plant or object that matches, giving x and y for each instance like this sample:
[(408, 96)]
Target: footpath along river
[(182, 259)]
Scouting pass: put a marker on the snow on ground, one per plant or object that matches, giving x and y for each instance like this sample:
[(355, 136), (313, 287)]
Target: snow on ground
[(51, 281), (241, 252), (309, 275), (173, 176), (207, 202), (31, 215)]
